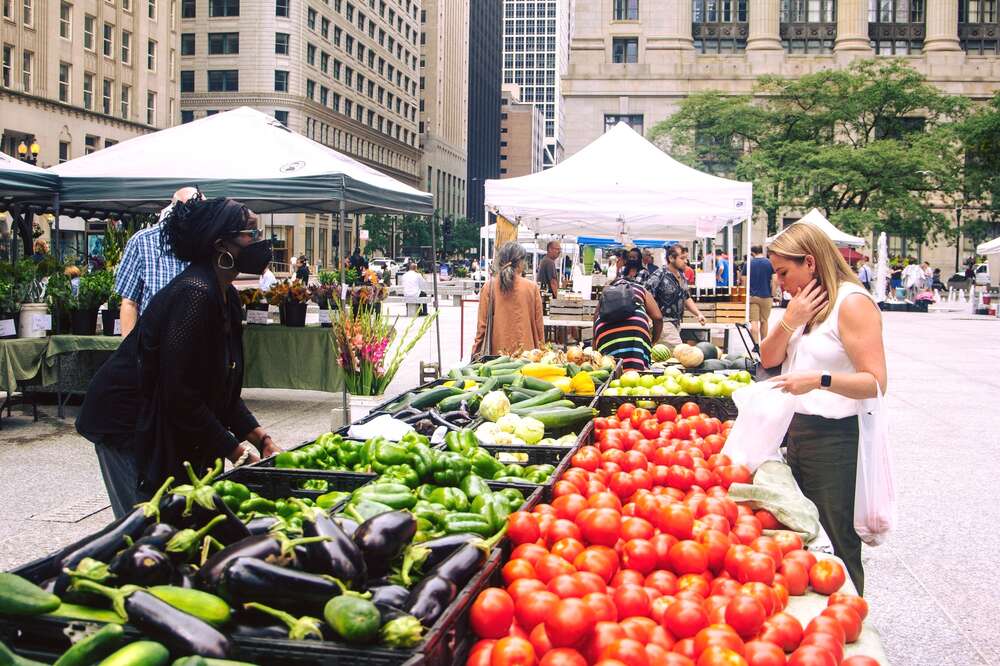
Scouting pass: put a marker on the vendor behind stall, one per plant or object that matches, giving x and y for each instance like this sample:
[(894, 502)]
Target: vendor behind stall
[(171, 392)]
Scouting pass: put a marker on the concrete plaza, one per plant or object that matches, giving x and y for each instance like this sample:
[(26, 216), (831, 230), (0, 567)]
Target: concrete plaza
[(930, 587)]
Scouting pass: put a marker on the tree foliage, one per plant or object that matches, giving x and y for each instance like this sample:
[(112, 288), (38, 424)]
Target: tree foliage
[(414, 232), (873, 146)]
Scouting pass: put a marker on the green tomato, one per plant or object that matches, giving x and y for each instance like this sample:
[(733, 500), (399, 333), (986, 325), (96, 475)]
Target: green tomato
[(659, 389), (729, 386), (671, 385), (630, 378), (615, 383), (742, 376), (612, 391), (647, 381), (711, 389), (673, 371), (691, 384)]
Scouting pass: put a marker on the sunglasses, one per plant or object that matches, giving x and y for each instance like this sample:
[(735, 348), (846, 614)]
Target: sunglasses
[(254, 233)]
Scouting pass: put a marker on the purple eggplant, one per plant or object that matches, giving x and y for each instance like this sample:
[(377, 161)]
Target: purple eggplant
[(247, 580), (382, 538), (142, 564), (429, 599), (335, 554)]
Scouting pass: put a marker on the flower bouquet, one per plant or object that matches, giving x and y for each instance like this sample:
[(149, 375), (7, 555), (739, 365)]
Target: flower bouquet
[(363, 336), (292, 299)]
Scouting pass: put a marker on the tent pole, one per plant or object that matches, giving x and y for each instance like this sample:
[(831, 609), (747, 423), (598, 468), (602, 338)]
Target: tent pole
[(749, 226), (340, 260), (434, 276), (55, 247)]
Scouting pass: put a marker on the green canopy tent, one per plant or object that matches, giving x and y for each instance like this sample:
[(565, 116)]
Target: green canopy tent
[(24, 188)]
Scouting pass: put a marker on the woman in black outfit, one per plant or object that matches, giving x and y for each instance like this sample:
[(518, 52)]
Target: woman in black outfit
[(171, 393)]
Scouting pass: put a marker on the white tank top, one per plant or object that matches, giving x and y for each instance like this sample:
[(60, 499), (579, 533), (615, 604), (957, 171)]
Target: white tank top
[(822, 349)]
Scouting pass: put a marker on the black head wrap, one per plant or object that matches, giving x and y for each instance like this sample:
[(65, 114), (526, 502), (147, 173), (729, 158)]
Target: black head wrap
[(192, 227)]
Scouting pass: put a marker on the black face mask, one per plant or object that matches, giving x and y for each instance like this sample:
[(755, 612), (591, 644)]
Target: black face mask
[(254, 258), (633, 265)]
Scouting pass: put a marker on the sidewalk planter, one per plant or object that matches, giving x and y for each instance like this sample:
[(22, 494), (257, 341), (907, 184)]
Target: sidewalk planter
[(84, 322), (108, 320), (27, 320), (293, 314)]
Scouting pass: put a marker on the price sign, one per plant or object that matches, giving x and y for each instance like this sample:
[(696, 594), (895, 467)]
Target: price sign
[(324, 316), (41, 322), (256, 316), (7, 328), (118, 326)]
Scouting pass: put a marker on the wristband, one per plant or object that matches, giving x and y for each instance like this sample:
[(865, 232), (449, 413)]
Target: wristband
[(784, 325)]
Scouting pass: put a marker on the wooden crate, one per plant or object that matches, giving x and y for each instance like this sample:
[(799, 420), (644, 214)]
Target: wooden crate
[(565, 308), (730, 313)]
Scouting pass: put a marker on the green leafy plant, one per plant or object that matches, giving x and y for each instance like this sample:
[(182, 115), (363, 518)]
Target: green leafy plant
[(8, 304), (27, 283), (95, 289), (59, 293), (328, 277)]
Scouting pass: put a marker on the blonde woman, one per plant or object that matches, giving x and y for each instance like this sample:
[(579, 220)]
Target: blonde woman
[(829, 346)]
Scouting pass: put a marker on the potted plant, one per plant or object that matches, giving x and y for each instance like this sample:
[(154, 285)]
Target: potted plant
[(253, 300), (292, 299), (368, 292), (95, 289), (28, 294), (325, 295), (110, 316), (60, 299), (8, 306)]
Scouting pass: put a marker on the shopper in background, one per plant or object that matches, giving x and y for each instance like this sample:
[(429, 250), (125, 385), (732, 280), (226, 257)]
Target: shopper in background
[(689, 273), (913, 279), (762, 285), (865, 274), (928, 276), (672, 293), (267, 279), (548, 273), (649, 268), (413, 284), (829, 345), (358, 261), (631, 337), (302, 270), (510, 305), (148, 264), (721, 269)]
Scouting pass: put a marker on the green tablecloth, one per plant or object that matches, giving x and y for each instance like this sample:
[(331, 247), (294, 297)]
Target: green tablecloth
[(290, 358), (24, 359)]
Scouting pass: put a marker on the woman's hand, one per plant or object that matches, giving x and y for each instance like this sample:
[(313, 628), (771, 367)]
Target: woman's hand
[(798, 383), (243, 449), (805, 304), (270, 448)]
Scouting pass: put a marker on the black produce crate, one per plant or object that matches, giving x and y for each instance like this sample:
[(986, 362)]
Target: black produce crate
[(274, 482), (720, 408), (558, 456)]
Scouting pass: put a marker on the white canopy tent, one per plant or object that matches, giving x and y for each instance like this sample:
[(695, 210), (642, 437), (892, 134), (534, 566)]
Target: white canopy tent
[(989, 247), (817, 219)]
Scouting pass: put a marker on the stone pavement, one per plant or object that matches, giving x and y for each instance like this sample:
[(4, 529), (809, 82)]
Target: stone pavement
[(931, 589)]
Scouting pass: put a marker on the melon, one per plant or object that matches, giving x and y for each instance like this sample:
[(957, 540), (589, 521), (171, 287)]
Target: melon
[(713, 365), (709, 350), (660, 352), (690, 357)]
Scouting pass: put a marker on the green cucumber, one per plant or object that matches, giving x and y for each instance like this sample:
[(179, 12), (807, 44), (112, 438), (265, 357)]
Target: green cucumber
[(600, 376), (456, 374), (356, 620), (208, 661), (499, 360), (505, 379), (10, 658), (486, 386), (94, 647), (549, 406), (537, 384), (77, 612), (503, 368), (564, 418), (517, 396), (202, 605), (140, 653), (453, 402), (19, 596), (542, 398), (433, 396)]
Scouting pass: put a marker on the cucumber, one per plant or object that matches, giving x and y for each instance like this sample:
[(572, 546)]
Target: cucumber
[(599, 376), (564, 418), (202, 605), (453, 402), (433, 396), (505, 379), (542, 398), (486, 386), (10, 658), (208, 661), (537, 384), (94, 647), (19, 596), (77, 612), (504, 368), (354, 619), (549, 406), (140, 653), (499, 360), (456, 374), (517, 396)]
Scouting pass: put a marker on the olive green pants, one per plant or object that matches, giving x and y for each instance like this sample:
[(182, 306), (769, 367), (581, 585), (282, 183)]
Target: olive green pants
[(823, 455)]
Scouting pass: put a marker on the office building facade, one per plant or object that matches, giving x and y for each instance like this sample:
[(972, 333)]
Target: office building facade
[(522, 135), (485, 80)]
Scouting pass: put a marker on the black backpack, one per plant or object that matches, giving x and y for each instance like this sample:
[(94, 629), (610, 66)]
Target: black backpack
[(618, 302)]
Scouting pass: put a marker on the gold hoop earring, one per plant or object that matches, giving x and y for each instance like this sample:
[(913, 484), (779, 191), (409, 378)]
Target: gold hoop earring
[(232, 260)]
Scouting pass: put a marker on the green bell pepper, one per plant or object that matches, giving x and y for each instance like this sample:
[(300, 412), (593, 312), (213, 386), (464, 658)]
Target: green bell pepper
[(515, 498), (331, 499), (450, 468), (232, 494), (364, 509), (484, 464), (494, 508), (421, 457), (461, 441), (513, 469), (401, 474), (474, 485), (394, 495), (457, 523), (387, 454), (538, 473), (258, 505), (424, 492), (286, 508), (511, 479), (315, 484), (452, 499), (431, 512)]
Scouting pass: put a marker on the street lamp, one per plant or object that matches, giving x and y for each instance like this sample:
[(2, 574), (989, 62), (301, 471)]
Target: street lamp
[(29, 155)]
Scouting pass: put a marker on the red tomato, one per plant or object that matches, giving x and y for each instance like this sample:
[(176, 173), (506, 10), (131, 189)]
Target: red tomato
[(822, 624), (783, 630), (534, 607), (568, 549), (492, 613), (632, 601), (796, 577), (601, 527), (689, 409), (762, 593), (659, 607), (721, 635), (522, 527), (637, 528), (684, 619), (625, 411), (662, 581), (827, 576), (639, 628), (627, 651), (523, 586), (725, 587), (602, 605), (639, 555), (848, 618), (539, 639), (688, 557), (638, 416), (603, 635), (565, 586), (680, 477), (578, 477), (623, 485), (676, 520), (562, 529), (598, 562), (745, 532), (685, 646), (481, 653), (787, 541), (859, 604), (810, 655), (511, 651), (717, 545), (531, 552), (517, 569), (756, 568), (716, 655), (549, 566), (563, 657), (591, 582), (780, 593), (767, 519), (587, 457), (666, 413), (762, 653), (768, 546), (824, 642), (859, 660), (804, 556), (570, 621), (695, 584), (568, 506), (745, 615), (656, 654), (736, 554)]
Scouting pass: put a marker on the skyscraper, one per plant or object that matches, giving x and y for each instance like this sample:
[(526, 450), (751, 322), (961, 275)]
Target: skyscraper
[(535, 55), (485, 79)]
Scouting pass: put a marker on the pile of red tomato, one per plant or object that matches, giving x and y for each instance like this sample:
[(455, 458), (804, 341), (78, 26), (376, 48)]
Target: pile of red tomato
[(642, 559)]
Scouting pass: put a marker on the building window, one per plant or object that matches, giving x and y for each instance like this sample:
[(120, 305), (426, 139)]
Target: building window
[(720, 26), (188, 9), (311, 18), (88, 90), (90, 144), (223, 80), (64, 82), (106, 97), (280, 80), (626, 10), (223, 43), (187, 80), (281, 8), (89, 27), (150, 108), (151, 55), (109, 40), (978, 28), (899, 128), (7, 69), (337, 35), (151, 9), (808, 26), (127, 5), (310, 88), (126, 47), (126, 100), (310, 236), (223, 8), (324, 62), (632, 120), (281, 43), (28, 15), (186, 116), (173, 65), (8, 9), (311, 55), (187, 43), (324, 95), (896, 27), (63, 151), (65, 20), (625, 50), (210, 112), (324, 28), (27, 68), (281, 117)]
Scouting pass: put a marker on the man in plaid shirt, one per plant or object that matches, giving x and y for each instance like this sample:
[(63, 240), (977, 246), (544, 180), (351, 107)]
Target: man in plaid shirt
[(147, 266)]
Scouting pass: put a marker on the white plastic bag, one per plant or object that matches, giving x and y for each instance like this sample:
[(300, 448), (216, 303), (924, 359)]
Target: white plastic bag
[(764, 414), (875, 491)]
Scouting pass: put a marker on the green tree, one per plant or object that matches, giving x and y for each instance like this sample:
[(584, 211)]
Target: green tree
[(872, 146), (980, 137)]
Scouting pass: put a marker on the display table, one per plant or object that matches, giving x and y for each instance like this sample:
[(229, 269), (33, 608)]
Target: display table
[(290, 358), (30, 359)]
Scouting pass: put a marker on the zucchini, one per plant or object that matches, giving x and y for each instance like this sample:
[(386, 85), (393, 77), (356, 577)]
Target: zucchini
[(564, 418), (400, 404), (542, 398), (517, 396), (19, 596), (536, 384), (208, 661), (140, 653), (433, 396), (77, 612), (506, 378), (202, 605), (486, 386), (94, 647), (572, 369), (10, 658), (600, 376), (549, 406), (497, 361), (503, 368), (453, 402)]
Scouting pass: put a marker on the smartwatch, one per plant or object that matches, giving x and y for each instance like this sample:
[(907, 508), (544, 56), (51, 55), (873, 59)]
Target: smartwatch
[(824, 380)]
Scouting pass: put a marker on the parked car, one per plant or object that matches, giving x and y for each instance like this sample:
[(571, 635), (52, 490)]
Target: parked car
[(982, 279), (382, 264), (982, 274)]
